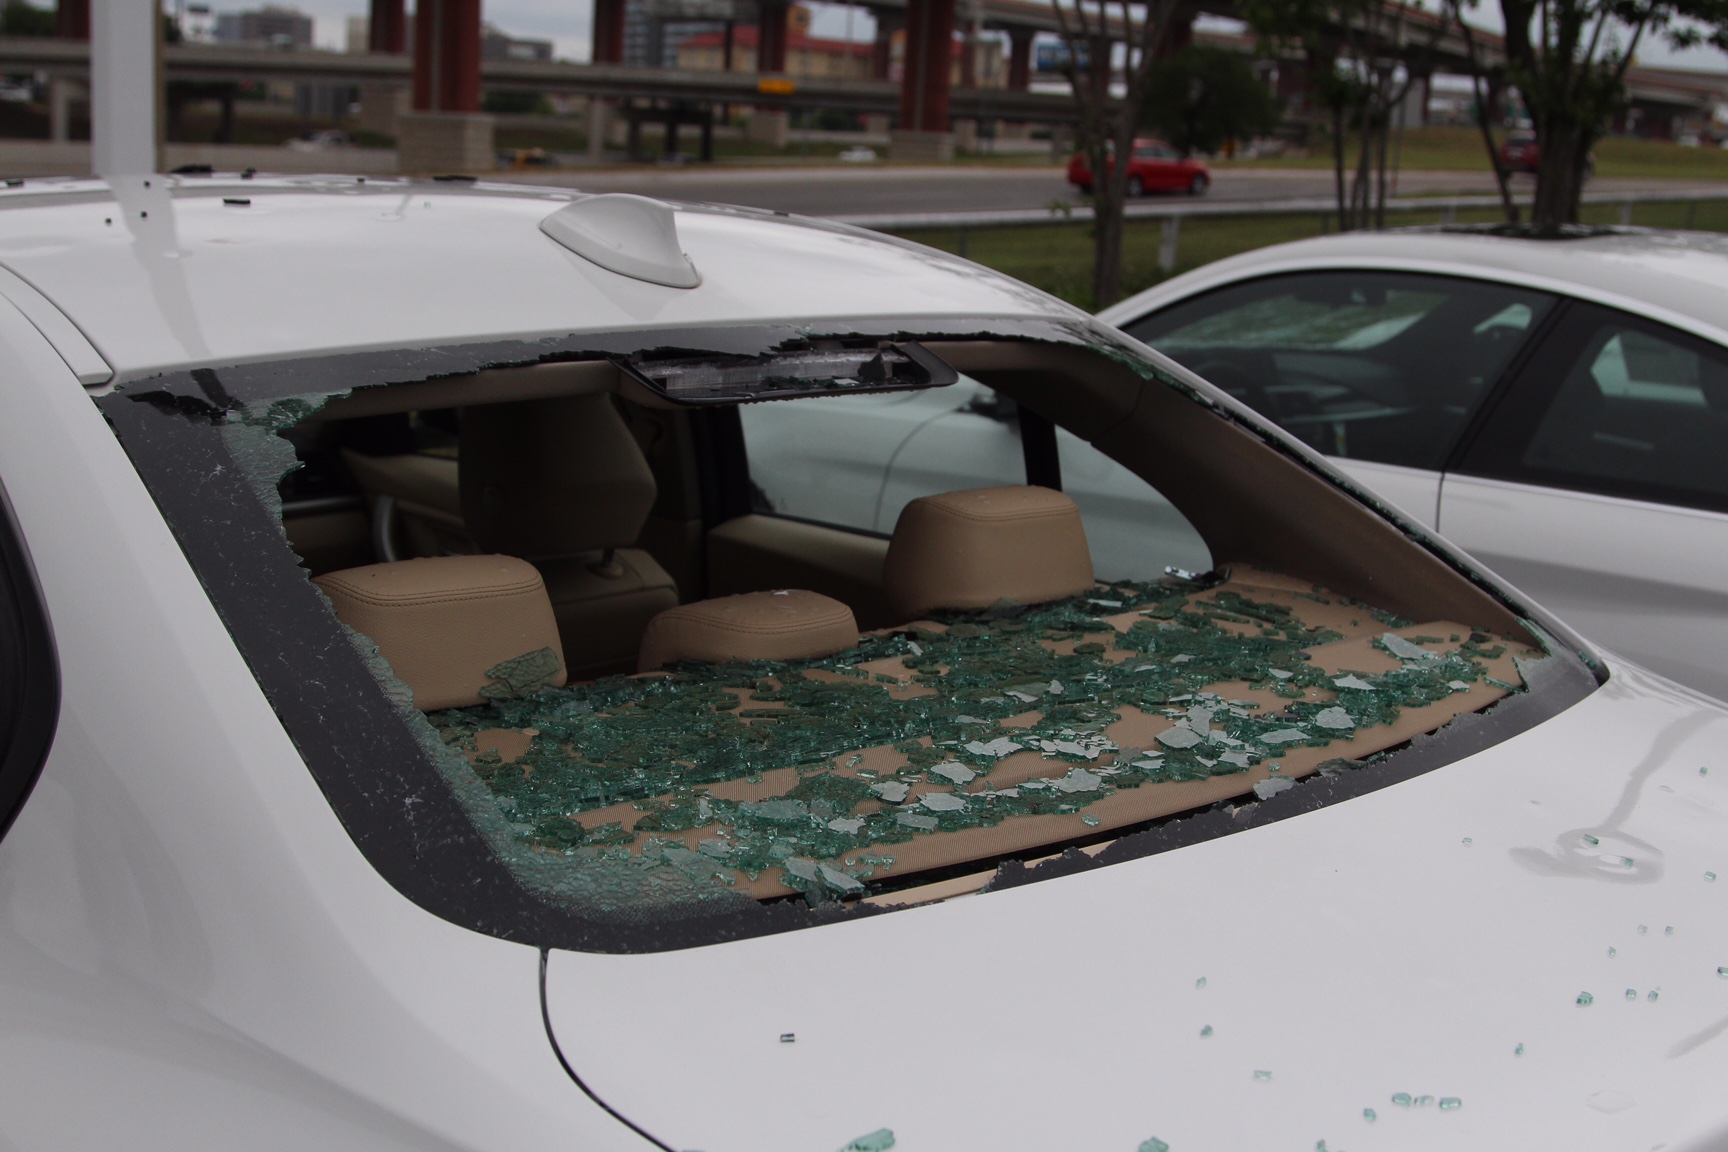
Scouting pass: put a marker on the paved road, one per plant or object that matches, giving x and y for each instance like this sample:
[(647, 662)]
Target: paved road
[(839, 191)]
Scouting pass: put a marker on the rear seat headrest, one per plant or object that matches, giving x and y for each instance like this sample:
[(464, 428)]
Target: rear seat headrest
[(786, 625), (973, 549), (443, 621), (553, 478)]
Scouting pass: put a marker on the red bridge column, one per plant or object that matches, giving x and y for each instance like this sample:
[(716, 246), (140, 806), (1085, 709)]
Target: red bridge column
[(387, 30), (386, 34), (924, 132), (608, 32), (770, 126), (72, 19), (1020, 59), (446, 132), (71, 22)]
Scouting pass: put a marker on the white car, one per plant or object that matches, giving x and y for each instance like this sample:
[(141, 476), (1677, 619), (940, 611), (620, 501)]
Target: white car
[(417, 733), (1557, 408)]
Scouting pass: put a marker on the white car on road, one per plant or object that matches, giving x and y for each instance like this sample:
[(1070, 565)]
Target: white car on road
[(422, 725), (1556, 407)]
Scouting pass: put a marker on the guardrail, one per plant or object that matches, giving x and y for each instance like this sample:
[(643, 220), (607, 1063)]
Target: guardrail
[(1173, 212)]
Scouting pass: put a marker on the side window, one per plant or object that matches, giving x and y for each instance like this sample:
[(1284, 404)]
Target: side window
[(848, 460), (855, 462), (1617, 405), (29, 673), (1378, 366)]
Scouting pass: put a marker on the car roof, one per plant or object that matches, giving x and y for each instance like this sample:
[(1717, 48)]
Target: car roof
[(173, 271), (1680, 277)]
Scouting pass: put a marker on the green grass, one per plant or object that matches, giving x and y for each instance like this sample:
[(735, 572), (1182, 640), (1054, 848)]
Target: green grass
[(1058, 257), (1443, 148)]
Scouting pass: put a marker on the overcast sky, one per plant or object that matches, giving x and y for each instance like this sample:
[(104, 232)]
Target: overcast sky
[(566, 23)]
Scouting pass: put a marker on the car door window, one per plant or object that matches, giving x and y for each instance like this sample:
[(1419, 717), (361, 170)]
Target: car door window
[(854, 462), (1618, 405), (1377, 366), (830, 459)]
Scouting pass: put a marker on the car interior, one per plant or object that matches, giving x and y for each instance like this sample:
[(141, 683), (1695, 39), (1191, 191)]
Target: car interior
[(571, 576)]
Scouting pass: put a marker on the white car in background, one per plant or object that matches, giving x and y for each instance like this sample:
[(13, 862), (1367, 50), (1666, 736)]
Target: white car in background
[(1556, 407), (339, 517)]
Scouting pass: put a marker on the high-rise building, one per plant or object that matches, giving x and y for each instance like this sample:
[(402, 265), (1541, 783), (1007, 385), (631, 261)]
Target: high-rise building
[(281, 27)]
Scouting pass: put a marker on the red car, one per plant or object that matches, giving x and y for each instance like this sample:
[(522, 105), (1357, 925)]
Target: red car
[(1155, 167), (1519, 153)]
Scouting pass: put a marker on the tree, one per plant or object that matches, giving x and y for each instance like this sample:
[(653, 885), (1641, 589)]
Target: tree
[(1568, 60), (1363, 58), (1200, 97), (18, 18), (1107, 124)]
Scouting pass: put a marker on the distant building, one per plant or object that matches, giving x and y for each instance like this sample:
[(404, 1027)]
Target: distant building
[(499, 45), (280, 27)]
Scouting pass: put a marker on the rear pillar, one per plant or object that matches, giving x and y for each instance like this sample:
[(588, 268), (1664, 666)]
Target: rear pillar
[(923, 132), (446, 131)]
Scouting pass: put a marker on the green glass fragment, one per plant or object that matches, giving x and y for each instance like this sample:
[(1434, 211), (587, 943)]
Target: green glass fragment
[(878, 1141), (522, 674)]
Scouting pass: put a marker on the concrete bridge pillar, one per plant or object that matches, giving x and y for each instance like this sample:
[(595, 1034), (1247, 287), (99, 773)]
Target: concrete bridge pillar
[(446, 131), (924, 132)]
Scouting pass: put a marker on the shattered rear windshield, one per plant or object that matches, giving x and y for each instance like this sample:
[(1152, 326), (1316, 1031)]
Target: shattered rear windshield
[(946, 752)]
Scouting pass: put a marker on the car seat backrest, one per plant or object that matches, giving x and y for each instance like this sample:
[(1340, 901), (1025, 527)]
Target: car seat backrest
[(455, 629), (552, 479), (978, 547), (789, 624)]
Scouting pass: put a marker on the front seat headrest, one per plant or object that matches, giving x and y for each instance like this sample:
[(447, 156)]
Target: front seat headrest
[(976, 548), (455, 629), (790, 624), (544, 479)]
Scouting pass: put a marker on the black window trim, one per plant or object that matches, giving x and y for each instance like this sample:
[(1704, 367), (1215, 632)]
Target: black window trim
[(29, 671), (1495, 450)]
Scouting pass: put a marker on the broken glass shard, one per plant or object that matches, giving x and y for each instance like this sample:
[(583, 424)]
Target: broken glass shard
[(1266, 789), (922, 823), (777, 811), (955, 771), (1262, 1074), (1153, 1144), (1450, 1103), (999, 747), (1370, 1115), (1206, 1031), (841, 882), (1179, 737), (1585, 999), (1334, 718), (942, 801), (846, 825), (1402, 1099), (1283, 736), (1405, 650), (800, 867), (1353, 681), (892, 791), (522, 675), (878, 1141), (1079, 780)]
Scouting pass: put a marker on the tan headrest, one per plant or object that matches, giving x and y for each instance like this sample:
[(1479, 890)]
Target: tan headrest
[(455, 629), (976, 548), (551, 478), (787, 625)]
